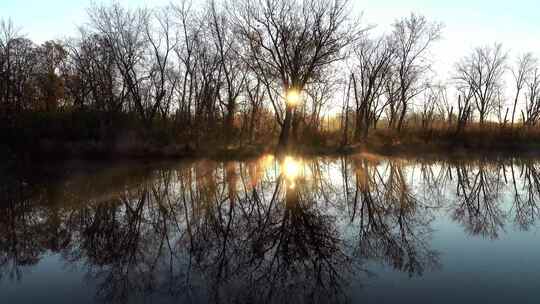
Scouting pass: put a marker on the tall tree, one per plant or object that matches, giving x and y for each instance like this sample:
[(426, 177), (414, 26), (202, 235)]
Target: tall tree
[(162, 40), (231, 66), (127, 42), (531, 113), (522, 72), (290, 43), (482, 72), (51, 56), (412, 37), (374, 58)]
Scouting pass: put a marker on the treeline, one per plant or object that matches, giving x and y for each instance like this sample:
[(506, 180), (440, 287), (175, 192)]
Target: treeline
[(221, 71)]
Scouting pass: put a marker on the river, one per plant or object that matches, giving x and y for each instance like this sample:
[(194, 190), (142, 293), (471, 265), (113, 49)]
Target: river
[(352, 229)]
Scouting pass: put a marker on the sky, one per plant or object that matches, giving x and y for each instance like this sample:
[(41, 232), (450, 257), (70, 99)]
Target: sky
[(467, 23)]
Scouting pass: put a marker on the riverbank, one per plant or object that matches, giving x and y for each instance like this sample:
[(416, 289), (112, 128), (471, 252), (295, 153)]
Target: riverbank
[(409, 146), (96, 136)]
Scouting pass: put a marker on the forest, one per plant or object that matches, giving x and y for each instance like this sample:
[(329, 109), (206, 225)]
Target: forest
[(244, 77)]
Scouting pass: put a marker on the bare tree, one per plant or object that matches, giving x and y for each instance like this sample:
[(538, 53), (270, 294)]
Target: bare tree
[(189, 32), (482, 72), (445, 106), (162, 39), (292, 43), (501, 110), (374, 60), (230, 64), (430, 106), (465, 96), (531, 115), (18, 62), (412, 38), (521, 72), (125, 34), (319, 95), (51, 57), (91, 76), (391, 94), (256, 96), (8, 34)]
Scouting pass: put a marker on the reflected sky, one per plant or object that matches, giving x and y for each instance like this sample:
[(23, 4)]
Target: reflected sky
[(360, 228)]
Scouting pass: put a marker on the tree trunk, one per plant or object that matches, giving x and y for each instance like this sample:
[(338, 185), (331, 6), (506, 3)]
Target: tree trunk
[(285, 130), (251, 130), (402, 117), (229, 120), (515, 105), (358, 126), (482, 118)]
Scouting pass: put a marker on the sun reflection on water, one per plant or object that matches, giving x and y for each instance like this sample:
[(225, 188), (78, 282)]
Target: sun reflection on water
[(291, 168), (268, 161)]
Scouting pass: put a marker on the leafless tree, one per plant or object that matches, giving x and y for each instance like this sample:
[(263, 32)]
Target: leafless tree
[(391, 94), (412, 37), (292, 43), (162, 39), (8, 34), (444, 105), (482, 72), (51, 57), (318, 96), (93, 79), (231, 66), (345, 111), (18, 61), (522, 72), (501, 109), (374, 58), (531, 115), (189, 33), (465, 96), (256, 95), (430, 106), (125, 34)]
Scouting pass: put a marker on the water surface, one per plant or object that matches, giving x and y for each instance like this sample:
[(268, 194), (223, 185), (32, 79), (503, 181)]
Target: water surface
[(273, 230)]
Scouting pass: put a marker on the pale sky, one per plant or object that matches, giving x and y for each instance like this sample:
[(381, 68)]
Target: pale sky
[(467, 23)]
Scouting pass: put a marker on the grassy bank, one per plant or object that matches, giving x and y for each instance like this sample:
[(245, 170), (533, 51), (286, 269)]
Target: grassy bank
[(440, 139), (97, 135), (444, 139)]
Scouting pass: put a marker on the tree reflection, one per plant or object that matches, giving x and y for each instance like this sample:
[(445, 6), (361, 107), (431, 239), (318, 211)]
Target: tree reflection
[(525, 197), (268, 230), (478, 207), (391, 226), (21, 243)]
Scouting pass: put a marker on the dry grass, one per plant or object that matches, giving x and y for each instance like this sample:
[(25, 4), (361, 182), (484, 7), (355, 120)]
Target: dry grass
[(473, 137), (79, 134), (439, 138)]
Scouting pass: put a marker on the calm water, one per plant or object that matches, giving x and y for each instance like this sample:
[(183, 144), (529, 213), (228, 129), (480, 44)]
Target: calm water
[(289, 230)]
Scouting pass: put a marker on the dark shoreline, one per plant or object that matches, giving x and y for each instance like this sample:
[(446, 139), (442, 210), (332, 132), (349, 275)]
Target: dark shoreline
[(179, 152)]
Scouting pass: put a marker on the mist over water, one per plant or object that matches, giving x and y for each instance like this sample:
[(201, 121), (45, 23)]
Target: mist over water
[(360, 228)]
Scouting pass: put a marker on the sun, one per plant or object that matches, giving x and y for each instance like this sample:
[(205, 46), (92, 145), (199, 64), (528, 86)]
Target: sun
[(293, 97)]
